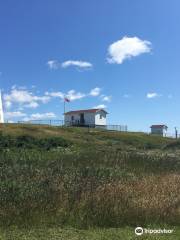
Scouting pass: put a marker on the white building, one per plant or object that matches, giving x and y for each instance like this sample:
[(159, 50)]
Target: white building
[(88, 117), (159, 130)]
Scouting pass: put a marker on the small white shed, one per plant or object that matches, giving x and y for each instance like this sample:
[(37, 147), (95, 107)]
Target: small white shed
[(87, 117), (159, 130)]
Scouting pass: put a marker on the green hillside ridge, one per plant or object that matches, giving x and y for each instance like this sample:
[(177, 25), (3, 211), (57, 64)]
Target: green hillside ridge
[(84, 135), (58, 178)]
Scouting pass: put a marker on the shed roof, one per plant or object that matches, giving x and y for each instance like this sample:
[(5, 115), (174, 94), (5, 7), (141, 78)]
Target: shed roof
[(159, 126), (93, 110)]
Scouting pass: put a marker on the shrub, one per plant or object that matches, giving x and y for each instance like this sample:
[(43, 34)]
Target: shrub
[(27, 141)]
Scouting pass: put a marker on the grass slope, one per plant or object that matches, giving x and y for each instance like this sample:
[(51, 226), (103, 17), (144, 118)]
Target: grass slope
[(86, 178), (83, 135), (57, 233)]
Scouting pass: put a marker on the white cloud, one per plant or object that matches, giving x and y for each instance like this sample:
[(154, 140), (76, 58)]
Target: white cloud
[(37, 116), (32, 105), (127, 48), (40, 116), (15, 114), (100, 106), (106, 98), (73, 95), (55, 94), (153, 95), (20, 99), (7, 104), (53, 64), (95, 92), (23, 98), (20, 96), (79, 64), (43, 99)]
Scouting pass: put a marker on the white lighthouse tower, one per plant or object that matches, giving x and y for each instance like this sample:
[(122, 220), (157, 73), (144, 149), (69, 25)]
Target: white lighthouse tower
[(1, 110)]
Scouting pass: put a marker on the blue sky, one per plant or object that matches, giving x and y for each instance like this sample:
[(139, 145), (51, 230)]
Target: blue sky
[(120, 54)]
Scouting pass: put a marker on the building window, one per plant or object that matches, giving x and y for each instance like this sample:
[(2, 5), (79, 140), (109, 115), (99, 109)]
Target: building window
[(72, 118), (100, 116)]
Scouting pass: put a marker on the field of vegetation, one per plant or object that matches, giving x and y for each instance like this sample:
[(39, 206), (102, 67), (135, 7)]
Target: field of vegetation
[(75, 183)]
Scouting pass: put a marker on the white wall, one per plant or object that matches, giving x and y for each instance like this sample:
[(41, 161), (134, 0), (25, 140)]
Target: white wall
[(102, 120), (68, 118), (90, 118), (159, 131)]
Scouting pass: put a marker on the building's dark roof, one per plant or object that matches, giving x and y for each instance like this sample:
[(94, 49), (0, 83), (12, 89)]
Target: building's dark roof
[(159, 126), (94, 110)]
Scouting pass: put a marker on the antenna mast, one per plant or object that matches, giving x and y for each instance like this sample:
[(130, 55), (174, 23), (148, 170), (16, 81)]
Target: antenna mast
[(1, 110)]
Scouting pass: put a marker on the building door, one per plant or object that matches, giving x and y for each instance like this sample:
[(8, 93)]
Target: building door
[(72, 120), (82, 121)]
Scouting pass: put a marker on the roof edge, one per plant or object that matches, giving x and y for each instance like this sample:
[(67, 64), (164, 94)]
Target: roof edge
[(93, 110), (158, 125)]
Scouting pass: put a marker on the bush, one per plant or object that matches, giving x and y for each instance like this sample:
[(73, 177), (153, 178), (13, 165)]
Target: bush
[(27, 141)]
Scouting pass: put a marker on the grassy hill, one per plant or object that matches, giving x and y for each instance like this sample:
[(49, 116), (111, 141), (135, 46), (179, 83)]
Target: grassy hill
[(86, 178), (83, 135)]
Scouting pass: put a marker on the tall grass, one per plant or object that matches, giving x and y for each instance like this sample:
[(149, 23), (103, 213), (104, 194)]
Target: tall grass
[(88, 187)]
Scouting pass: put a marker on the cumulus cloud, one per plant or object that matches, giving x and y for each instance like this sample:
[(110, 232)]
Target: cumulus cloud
[(55, 64), (20, 99), (42, 116), (95, 92), (32, 105), (55, 94), (72, 95), (24, 98), (100, 106), (127, 48), (106, 98), (153, 95), (79, 64), (7, 104)]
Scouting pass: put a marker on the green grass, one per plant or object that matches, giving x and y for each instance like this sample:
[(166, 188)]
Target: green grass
[(75, 178), (57, 233), (83, 136)]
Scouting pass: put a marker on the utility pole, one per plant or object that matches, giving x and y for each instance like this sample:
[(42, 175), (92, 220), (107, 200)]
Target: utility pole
[(176, 133), (1, 110), (64, 107)]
